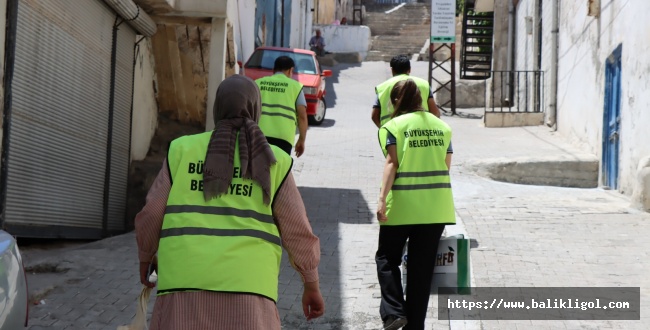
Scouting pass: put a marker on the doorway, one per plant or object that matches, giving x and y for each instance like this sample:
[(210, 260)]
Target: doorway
[(612, 119)]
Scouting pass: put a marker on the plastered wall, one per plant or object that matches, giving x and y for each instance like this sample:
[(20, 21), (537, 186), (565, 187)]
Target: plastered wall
[(145, 108)]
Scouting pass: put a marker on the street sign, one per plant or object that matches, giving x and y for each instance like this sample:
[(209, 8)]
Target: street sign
[(443, 21)]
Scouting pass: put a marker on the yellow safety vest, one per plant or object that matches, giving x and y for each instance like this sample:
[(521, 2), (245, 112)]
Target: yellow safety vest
[(279, 96), (383, 94), (421, 193), (230, 243)]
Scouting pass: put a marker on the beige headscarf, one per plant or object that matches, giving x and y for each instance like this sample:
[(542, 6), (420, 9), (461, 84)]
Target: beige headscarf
[(237, 108)]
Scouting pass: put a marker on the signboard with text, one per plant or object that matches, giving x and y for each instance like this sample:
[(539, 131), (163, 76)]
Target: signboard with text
[(443, 21)]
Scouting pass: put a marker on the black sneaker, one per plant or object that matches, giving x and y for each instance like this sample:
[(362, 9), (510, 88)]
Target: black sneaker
[(394, 323)]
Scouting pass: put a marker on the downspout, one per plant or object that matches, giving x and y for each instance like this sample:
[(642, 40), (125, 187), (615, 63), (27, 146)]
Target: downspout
[(511, 37), (552, 111)]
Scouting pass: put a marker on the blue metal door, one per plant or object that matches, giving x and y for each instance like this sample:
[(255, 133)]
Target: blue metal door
[(612, 119)]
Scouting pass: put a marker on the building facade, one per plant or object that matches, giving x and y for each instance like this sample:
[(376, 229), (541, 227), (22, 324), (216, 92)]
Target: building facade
[(598, 80)]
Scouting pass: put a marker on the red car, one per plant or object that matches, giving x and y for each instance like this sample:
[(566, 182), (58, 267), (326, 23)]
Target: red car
[(307, 72)]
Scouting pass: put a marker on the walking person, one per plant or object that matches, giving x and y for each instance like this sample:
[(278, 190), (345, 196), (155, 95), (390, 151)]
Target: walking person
[(415, 204), (283, 106), (382, 109), (217, 215)]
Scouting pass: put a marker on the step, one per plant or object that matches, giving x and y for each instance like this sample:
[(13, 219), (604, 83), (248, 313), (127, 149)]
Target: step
[(482, 70), (472, 53), (479, 27), (473, 62), (478, 44), (479, 35), (479, 18)]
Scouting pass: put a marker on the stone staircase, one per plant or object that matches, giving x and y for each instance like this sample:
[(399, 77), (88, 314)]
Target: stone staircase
[(403, 31)]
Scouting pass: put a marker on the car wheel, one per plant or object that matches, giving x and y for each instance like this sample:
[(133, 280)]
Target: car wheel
[(319, 117)]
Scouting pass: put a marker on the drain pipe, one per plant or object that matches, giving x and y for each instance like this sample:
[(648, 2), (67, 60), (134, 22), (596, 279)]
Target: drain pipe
[(511, 37), (551, 120)]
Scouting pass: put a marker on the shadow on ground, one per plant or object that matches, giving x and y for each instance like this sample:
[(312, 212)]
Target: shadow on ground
[(328, 209), (330, 97), (326, 123)]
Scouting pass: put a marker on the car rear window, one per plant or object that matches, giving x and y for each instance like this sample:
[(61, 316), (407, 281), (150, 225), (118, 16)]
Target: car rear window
[(264, 59)]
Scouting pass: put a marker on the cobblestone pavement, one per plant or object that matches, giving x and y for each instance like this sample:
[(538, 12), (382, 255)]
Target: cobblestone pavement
[(524, 235)]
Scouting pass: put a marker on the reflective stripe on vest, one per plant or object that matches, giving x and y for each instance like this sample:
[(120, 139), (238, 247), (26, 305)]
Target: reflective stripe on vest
[(421, 192), (229, 243), (383, 94), (279, 94)]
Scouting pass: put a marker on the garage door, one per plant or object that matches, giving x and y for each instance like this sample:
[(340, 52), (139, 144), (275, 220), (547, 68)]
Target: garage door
[(58, 180)]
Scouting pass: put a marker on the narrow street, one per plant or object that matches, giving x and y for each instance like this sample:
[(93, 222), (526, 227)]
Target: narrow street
[(528, 236)]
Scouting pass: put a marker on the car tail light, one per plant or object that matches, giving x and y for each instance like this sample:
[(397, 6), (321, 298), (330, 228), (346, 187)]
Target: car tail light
[(311, 90)]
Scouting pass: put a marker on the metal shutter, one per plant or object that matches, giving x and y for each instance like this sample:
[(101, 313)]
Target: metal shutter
[(59, 124)]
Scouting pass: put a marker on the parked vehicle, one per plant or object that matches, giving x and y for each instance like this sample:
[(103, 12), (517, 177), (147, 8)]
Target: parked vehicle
[(307, 71), (13, 285)]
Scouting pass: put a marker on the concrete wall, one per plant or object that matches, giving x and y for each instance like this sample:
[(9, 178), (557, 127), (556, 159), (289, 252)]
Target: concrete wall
[(500, 48), (585, 44), (324, 11), (344, 9), (242, 16), (547, 27), (182, 54), (300, 11), (145, 108), (526, 56), (346, 38), (201, 8), (525, 43)]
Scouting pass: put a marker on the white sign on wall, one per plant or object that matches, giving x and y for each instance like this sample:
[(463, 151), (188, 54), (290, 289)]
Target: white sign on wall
[(443, 21)]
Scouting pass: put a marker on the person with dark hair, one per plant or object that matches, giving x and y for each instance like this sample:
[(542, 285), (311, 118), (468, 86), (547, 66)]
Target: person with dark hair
[(218, 214), (415, 203), (401, 69), (383, 108), (283, 105)]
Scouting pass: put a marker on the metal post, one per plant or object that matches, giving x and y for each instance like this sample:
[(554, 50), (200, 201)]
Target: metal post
[(453, 79), (109, 139)]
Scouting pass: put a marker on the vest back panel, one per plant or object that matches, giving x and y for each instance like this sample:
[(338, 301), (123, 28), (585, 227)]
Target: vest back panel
[(421, 192), (229, 243), (279, 95)]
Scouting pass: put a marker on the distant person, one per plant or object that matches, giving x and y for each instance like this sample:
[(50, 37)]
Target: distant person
[(317, 44), (344, 21), (283, 104), (400, 66), (218, 214), (415, 203), (382, 109)]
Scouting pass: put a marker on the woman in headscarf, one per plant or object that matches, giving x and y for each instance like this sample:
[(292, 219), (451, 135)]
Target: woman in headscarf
[(415, 203), (214, 216)]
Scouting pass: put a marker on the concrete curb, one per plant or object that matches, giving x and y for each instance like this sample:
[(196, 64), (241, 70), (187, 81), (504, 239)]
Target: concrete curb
[(561, 171)]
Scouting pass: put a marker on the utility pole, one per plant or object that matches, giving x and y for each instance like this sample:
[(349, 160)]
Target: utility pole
[(443, 31)]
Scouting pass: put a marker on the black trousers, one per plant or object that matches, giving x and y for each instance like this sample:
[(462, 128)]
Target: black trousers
[(422, 248)]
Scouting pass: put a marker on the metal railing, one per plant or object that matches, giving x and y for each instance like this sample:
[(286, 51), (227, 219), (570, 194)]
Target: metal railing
[(515, 91)]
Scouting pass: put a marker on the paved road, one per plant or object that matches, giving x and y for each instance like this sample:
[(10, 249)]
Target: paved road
[(524, 235)]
